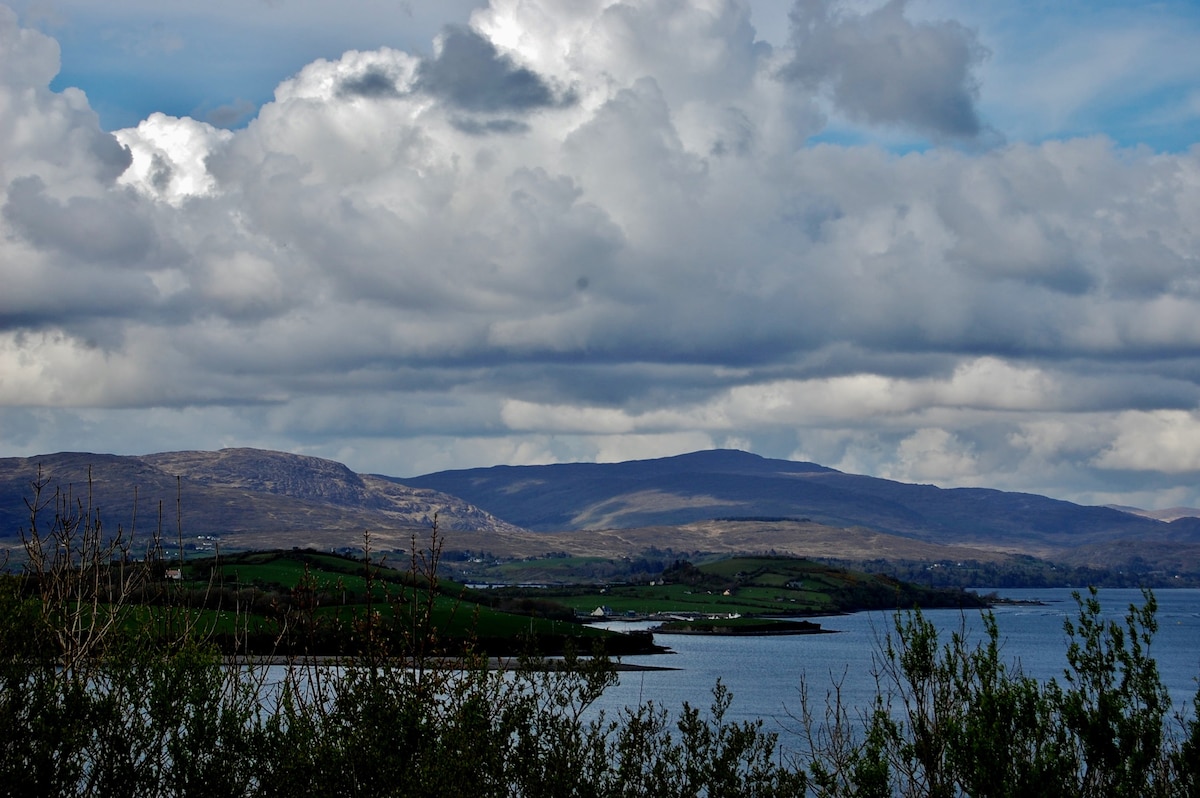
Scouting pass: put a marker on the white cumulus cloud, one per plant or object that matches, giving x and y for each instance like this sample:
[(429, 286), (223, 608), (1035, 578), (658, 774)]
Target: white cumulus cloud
[(603, 229)]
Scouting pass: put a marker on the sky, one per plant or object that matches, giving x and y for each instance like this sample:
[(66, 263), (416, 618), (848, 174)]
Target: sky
[(936, 241)]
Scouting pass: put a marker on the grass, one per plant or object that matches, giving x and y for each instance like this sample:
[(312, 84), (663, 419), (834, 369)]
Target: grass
[(261, 593), (758, 586)]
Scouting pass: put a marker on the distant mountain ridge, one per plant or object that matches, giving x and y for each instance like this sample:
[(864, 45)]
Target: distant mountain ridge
[(723, 483)]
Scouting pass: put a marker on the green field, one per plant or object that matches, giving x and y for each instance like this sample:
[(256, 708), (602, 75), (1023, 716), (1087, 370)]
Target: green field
[(288, 602), (759, 586)]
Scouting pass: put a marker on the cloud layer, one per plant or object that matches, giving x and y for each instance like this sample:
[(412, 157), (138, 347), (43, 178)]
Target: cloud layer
[(603, 230)]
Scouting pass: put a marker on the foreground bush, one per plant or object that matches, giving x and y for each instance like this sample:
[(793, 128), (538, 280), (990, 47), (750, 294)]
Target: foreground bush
[(953, 719)]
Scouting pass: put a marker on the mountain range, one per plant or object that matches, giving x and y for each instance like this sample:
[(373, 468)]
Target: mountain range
[(716, 500)]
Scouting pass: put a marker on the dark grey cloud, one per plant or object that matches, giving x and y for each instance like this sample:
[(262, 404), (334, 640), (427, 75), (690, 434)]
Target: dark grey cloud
[(86, 228), (485, 127), (373, 84), (470, 74), (881, 68), (110, 157), (229, 115)]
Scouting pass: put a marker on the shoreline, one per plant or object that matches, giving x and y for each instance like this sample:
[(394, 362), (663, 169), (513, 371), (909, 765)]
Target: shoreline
[(506, 664)]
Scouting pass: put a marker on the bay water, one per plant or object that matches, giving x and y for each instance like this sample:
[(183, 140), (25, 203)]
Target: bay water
[(764, 674)]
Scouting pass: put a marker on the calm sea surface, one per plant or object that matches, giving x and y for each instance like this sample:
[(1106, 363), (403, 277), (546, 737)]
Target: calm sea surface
[(764, 673)]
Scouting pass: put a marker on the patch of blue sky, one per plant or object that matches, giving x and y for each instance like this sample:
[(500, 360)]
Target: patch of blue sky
[(850, 137), (208, 71), (1127, 70), (122, 98), (1167, 119)]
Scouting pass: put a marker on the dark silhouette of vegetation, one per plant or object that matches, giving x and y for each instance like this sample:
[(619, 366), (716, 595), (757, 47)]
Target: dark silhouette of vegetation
[(954, 719), (1024, 571), (100, 697)]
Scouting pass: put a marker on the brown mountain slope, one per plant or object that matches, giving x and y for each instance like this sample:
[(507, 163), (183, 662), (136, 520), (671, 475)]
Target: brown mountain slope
[(797, 538), (247, 497)]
